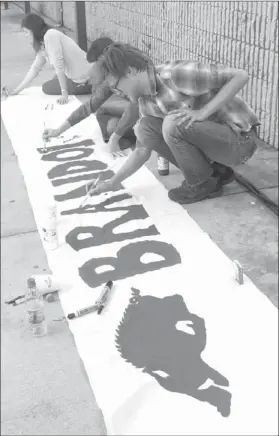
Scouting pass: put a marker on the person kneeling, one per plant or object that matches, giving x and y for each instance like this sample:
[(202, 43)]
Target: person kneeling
[(190, 114)]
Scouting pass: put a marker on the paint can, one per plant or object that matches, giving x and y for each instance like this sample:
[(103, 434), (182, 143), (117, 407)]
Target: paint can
[(46, 283), (163, 166), (50, 226)]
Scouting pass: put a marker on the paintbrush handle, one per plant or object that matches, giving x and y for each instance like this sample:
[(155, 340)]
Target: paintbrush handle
[(94, 183)]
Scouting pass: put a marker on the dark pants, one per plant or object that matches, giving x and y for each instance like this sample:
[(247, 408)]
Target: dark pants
[(108, 117), (52, 87), (193, 150)]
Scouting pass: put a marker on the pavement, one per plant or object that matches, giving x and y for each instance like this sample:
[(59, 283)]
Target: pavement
[(45, 390)]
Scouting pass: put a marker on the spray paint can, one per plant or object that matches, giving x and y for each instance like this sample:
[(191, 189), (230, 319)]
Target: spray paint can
[(163, 166), (50, 226)]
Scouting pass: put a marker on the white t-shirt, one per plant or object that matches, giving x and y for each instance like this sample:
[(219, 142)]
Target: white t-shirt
[(65, 56)]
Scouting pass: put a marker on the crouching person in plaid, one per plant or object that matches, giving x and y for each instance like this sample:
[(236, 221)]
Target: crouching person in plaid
[(190, 114)]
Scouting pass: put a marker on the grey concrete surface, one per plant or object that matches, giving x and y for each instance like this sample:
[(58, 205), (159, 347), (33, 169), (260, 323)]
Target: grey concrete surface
[(44, 387), (239, 223)]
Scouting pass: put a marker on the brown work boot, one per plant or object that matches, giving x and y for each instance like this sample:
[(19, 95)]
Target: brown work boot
[(186, 195)]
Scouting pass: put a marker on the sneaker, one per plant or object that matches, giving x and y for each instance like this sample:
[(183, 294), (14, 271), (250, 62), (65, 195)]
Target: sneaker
[(223, 172), (185, 195)]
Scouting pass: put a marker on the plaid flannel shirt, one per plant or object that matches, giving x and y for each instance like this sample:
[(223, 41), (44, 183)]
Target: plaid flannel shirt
[(176, 84), (173, 85)]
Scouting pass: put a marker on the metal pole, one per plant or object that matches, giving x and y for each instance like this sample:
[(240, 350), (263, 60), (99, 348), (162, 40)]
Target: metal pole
[(81, 25), (26, 7), (61, 15)]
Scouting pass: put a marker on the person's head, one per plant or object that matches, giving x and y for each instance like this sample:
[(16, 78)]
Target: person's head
[(97, 48), (126, 70), (34, 28)]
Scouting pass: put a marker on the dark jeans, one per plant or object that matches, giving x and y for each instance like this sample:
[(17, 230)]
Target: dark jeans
[(108, 117), (193, 150), (52, 87)]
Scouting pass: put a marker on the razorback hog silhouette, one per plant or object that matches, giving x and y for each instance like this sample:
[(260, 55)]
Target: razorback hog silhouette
[(161, 337)]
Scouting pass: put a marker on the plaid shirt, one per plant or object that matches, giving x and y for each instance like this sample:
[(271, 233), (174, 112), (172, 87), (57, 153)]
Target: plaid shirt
[(176, 84)]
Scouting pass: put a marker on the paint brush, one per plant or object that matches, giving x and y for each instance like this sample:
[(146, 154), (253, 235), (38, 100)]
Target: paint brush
[(50, 107), (95, 181)]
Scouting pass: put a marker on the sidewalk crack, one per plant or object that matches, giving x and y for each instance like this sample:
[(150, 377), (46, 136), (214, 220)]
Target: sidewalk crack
[(18, 234)]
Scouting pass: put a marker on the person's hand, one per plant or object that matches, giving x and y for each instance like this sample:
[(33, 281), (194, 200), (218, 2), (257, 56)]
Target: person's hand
[(63, 99), (101, 187), (50, 133), (190, 115), (6, 92), (114, 147)]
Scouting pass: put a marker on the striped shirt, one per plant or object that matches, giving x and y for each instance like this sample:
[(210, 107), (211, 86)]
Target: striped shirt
[(178, 84)]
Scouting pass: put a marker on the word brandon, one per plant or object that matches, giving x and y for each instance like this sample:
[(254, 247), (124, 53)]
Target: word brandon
[(127, 262)]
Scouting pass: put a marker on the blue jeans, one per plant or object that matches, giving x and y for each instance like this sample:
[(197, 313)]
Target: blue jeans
[(193, 150)]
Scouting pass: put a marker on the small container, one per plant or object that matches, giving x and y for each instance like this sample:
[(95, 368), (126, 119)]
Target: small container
[(51, 211), (35, 309), (163, 166), (46, 283), (50, 225)]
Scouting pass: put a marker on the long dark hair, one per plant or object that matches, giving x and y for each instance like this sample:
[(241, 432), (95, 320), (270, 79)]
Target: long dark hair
[(38, 28), (97, 48)]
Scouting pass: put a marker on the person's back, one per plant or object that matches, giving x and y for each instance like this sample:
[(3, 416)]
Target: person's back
[(60, 49)]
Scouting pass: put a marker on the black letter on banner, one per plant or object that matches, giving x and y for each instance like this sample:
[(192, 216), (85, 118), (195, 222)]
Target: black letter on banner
[(85, 143), (81, 191), (104, 235), (94, 208), (54, 156), (105, 175), (75, 167), (128, 263)]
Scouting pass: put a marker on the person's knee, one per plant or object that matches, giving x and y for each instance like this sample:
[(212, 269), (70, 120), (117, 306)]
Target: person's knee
[(169, 128), (147, 128), (47, 88)]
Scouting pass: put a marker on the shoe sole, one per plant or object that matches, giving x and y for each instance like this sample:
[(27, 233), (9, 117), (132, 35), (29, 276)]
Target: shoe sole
[(214, 194)]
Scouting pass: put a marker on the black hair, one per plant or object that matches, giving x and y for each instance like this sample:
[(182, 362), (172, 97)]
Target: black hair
[(38, 28), (97, 48), (119, 57)]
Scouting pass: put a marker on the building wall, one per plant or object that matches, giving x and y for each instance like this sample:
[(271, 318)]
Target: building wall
[(69, 15), (48, 9), (240, 34)]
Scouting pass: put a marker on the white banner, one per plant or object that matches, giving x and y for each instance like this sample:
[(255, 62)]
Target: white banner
[(180, 348)]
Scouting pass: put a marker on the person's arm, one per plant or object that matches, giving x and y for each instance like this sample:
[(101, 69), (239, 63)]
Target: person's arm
[(91, 106), (196, 79), (54, 50), (127, 121), (83, 111), (132, 164), (34, 70)]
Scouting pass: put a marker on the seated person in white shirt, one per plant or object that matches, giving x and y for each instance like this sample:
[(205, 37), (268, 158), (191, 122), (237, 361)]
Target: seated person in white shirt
[(73, 71)]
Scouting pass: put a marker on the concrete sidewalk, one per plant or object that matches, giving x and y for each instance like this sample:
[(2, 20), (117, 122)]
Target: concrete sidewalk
[(45, 389)]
